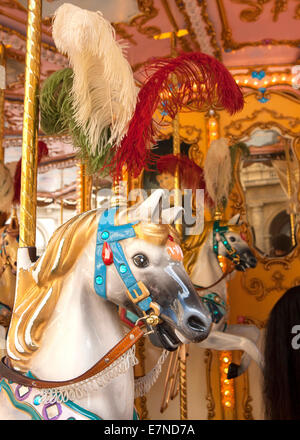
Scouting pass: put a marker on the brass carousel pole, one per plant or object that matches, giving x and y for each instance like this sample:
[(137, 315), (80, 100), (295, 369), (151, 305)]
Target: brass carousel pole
[(2, 98), (289, 190), (84, 189), (30, 127), (182, 355)]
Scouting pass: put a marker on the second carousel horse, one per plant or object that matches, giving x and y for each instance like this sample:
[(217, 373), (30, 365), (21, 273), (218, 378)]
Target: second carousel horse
[(203, 263)]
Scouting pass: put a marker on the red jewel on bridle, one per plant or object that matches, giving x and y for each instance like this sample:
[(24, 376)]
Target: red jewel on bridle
[(170, 238), (107, 254)]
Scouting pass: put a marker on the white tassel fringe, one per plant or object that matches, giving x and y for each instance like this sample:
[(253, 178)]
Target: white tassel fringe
[(120, 366), (143, 384), (82, 389)]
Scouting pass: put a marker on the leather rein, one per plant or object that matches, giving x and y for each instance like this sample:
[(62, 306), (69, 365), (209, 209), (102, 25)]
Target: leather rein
[(117, 351)]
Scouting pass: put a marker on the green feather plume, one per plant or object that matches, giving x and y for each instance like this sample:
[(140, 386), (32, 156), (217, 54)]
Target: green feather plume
[(57, 118)]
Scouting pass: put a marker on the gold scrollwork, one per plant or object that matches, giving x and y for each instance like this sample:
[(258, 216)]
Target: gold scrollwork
[(247, 399), (257, 8), (256, 287), (147, 12), (251, 15), (209, 394)]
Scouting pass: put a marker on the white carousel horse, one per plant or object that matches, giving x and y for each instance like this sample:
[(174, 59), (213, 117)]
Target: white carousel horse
[(65, 313), (203, 265)]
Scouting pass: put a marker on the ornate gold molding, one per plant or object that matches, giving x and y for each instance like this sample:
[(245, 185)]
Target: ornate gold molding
[(209, 392), (229, 43), (147, 12), (247, 399), (257, 8)]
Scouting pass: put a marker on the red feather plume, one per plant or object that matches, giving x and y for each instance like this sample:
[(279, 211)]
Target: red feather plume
[(42, 152), (200, 79)]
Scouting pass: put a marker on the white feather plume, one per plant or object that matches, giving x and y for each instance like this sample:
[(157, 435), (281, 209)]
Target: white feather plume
[(218, 171), (104, 92)]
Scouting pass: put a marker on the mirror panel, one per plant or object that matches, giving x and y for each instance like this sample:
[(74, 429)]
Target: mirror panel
[(269, 177)]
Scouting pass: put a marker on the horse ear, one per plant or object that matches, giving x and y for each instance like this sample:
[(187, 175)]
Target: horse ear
[(234, 220), (151, 208), (170, 215)]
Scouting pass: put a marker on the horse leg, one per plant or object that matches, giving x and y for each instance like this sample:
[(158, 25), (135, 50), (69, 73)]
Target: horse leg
[(225, 341), (250, 332)]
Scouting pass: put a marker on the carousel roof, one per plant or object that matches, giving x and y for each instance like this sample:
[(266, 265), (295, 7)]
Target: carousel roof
[(249, 38)]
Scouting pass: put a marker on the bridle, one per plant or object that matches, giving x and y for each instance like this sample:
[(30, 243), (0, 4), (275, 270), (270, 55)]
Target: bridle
[(5, 255), (108, 251), (219, 237), (219, 232)]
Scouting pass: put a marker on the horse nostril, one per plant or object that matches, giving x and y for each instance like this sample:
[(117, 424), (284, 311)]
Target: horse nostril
[(196, 324)]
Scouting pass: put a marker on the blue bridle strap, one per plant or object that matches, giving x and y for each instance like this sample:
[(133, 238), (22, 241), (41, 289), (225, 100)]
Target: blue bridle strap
[(231, 252), (110, 233)]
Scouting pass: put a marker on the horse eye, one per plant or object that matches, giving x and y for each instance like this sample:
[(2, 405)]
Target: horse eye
[(233, 239), (140, 260)]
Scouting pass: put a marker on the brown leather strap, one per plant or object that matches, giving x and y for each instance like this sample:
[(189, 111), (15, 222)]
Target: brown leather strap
[(125, 344), (216, 282)]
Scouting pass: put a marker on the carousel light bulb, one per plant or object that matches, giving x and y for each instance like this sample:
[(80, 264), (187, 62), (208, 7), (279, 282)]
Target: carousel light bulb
[(225, 359), (237, 81), (195, 87), (274, 79), (227, 393), (266, 82), (225, 370), (246, 81), (226, 381), (283, 78), (255, 83), (228, 404)]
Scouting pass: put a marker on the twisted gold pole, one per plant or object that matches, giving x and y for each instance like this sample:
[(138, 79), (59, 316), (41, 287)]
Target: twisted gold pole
[(182, 383), (84, 189), (30, 126), (289, 190), (2, 98), (178, 226)]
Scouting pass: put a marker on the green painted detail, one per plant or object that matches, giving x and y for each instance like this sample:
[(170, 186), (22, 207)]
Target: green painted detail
[(82, 411), (135, 414), (19, 405)]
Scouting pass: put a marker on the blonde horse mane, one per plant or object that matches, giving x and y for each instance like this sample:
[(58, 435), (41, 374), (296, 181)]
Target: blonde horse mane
[(39, 287)]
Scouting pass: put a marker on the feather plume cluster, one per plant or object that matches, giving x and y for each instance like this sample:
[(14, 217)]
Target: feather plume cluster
[(103, 89), (218, 172), (173, 82)]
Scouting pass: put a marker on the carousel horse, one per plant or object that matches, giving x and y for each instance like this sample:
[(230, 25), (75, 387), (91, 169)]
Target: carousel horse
[(9, 235), (65, 315), (204, 261)]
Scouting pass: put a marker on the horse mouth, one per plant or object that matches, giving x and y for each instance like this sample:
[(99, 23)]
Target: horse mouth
[(167, 337)]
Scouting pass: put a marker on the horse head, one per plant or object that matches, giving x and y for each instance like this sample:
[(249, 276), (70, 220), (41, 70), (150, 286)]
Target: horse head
[(229, 241), (150, 259)]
